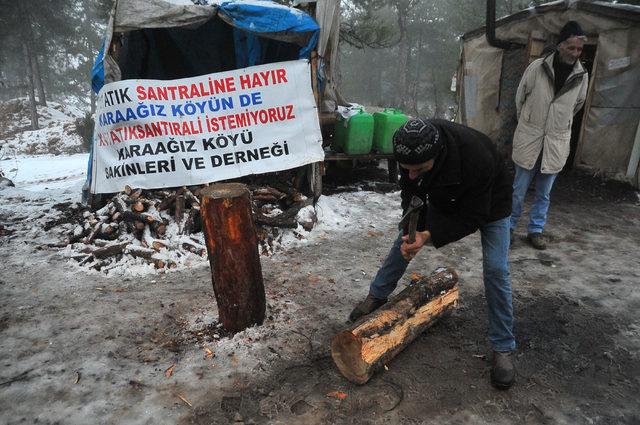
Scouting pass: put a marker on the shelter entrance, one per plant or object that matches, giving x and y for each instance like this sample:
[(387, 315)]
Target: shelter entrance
[(587, 59)]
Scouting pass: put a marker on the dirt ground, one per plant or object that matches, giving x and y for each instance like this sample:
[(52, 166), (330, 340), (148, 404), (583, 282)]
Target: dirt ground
[(78, 349)]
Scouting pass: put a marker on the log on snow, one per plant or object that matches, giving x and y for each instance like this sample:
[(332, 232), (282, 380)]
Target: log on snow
[(375, 339), (232, 246)]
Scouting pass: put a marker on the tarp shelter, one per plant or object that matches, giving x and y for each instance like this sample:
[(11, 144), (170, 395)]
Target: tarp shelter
[(171, 39), (606, 136)]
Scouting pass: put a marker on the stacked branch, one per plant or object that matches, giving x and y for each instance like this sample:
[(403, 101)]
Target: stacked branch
[(136, 221)]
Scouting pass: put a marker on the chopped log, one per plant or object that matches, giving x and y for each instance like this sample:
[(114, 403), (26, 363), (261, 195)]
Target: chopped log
[(160, 228), (127, 190), (136, 194), (232, 245), (109, 250), (140, 252), (122, 229), (375, 339), (189, 196), (179, 213), (88, 259), (166, 202), (189, 223), (119, 203), (94, 233), (132, 217), (158, 245), (137, 206), (286, 220), (265, 197)]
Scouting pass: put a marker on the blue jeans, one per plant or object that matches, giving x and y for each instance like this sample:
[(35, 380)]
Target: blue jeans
[(495, 270), (538, 213)]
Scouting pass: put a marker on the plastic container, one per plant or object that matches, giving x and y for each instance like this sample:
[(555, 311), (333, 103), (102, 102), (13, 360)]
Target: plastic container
[(385, 124), (339, 134), (358, 137)]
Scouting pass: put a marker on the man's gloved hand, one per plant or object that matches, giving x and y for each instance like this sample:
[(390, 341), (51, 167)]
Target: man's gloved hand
[(408, 250)]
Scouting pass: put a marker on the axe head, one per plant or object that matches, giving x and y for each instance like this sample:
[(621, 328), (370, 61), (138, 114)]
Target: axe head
[(414, 209)]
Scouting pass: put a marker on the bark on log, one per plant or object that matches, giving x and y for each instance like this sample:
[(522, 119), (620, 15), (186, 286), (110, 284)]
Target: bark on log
[(179, 213), (138, 251), (377, 338), (232, 246), (109, 250)]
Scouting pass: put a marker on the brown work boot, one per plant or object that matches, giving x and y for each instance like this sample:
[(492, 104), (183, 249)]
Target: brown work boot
[(503, 372), (369, 304), (537, 241)]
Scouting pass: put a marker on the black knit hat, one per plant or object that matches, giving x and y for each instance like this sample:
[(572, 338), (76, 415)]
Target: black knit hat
[(417, 141), (570, 29)]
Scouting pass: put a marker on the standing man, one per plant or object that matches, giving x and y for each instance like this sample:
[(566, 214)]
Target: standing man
[(459, 176), (551, 91)]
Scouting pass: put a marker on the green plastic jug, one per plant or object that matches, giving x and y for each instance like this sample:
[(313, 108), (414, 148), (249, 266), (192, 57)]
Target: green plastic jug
[(359, 134), (386, 123), (339, 134)]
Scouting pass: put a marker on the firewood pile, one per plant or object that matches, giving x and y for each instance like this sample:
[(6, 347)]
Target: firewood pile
[(164, 229)]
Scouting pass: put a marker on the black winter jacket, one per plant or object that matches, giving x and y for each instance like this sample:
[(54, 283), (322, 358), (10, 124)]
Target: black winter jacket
[(467, 187)]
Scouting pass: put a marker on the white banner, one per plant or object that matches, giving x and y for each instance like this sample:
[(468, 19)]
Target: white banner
[(154, 134)]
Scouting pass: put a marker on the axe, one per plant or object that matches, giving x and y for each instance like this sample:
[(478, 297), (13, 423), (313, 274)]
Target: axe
[(411, 217)]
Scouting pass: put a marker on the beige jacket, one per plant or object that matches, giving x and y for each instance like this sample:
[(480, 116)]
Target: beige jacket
[(545, 118)]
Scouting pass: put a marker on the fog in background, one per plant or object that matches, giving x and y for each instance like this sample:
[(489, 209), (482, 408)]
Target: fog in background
[(393, 53)]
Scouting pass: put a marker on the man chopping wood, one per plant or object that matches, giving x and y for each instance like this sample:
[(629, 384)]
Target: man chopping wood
[(454, 179), (551, 92)]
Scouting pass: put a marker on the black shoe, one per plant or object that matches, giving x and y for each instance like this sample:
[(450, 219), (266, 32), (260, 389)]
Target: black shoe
[(369, 304), (503, 372), (537, 241)]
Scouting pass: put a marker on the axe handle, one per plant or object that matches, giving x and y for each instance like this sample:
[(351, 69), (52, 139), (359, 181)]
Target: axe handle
[(413, 225)]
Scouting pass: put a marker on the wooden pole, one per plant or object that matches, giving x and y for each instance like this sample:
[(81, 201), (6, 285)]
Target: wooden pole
[(232, 245), (377, 338)]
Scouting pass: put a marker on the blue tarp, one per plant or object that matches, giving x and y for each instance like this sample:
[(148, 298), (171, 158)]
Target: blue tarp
[(254, 18), (270, 17)]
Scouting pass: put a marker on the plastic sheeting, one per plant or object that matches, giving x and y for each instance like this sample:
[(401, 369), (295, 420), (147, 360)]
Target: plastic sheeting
[(611, 119), (272, 20), (614, 112), (481, 85), (138, 14), (328, 16), (254, 17)]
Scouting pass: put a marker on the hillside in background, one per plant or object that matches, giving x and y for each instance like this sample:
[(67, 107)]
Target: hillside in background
[(61, 129)]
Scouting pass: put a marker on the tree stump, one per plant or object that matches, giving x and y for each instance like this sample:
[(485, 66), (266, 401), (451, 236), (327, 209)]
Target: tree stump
[(232, 246), (377, 338)]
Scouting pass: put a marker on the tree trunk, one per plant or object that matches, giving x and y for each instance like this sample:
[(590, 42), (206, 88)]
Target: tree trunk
[(377, 338), (403, 48), (436, 111), (32, 97), (28, 64), (42, 99), (232, 246)]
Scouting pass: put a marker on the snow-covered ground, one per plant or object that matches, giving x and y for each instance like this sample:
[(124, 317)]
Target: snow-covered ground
[(42, 182), (57, 133), (46, 172)]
